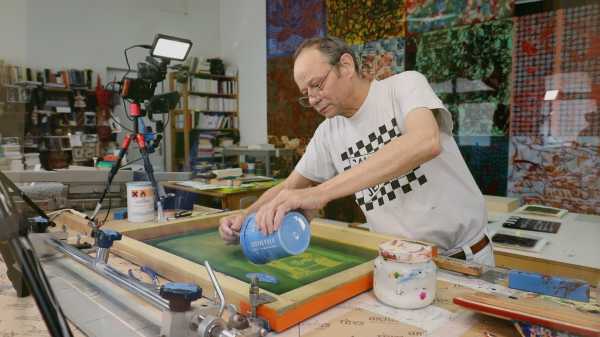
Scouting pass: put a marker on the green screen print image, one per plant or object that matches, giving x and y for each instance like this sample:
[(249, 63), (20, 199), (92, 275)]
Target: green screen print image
[(322, 259)]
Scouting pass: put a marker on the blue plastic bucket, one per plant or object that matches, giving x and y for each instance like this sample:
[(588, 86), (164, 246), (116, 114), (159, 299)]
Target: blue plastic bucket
[(292, 238)]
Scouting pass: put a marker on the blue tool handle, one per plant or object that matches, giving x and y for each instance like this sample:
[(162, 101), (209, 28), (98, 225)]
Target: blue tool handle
[(106, 237), (180, 295), (153, 275)]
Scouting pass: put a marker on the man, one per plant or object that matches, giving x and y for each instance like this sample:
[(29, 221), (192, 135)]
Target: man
[(390, 143)]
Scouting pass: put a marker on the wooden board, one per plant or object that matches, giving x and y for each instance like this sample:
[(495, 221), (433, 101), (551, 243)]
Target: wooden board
[(533, 310), (289, 308), (537, 265), (501, 204)]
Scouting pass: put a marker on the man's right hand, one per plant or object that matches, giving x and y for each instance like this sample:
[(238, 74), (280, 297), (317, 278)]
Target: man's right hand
[(229, 227)]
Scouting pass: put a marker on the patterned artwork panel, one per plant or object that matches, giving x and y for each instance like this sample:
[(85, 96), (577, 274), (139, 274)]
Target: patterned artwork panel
[(556, 171), (581, 42), (290, 22), (427, 15), (557, 73), (361, 21), (380, 59), (470, 69), (285, 116), (580, 66), (535, 46), (487, 159)]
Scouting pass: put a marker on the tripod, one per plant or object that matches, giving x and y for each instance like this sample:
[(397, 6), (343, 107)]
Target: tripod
[(136, 113)]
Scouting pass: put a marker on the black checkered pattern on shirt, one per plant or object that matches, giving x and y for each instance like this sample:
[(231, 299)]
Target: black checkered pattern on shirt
[(375, 196)]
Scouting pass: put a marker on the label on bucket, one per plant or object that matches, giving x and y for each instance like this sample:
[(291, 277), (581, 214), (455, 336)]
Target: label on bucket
[(140, 202), (292, 238), (267, 243)]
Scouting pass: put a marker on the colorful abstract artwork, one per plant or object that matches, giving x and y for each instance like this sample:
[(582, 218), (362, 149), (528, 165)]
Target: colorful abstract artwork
[(535, 46), (290, 22), (470, 69), (580, 71), (487, 159), (556, 171), (362, 21), (557, 73), (285, 116), (380, 59), (427, 15)]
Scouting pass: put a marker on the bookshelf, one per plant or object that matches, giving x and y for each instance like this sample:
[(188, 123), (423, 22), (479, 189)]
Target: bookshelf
[(206, 119), (58, 122)]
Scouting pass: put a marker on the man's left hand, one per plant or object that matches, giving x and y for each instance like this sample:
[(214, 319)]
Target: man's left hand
[(270, 215)]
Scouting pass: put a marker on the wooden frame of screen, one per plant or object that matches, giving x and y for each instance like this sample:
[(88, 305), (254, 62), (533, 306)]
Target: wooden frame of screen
[(289, 309)]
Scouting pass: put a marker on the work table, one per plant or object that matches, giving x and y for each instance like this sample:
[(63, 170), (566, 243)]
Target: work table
[(574, 251), (362, 315)]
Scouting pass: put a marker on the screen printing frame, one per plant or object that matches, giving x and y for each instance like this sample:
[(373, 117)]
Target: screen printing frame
[(289, 309)]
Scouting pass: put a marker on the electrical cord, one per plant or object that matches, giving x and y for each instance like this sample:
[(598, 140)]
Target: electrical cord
[(107, 212), (145, 46), (128, 117), (112, 116), (109, 197)]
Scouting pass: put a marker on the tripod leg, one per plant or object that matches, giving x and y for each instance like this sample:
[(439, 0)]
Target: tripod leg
[(113, 172), (160, 193)]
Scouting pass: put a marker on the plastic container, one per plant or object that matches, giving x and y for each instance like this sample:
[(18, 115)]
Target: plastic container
[(140, 201), (292, 238), (405, 274)]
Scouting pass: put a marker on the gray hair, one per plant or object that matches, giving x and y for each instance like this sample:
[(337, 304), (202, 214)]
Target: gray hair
[(330, 46)]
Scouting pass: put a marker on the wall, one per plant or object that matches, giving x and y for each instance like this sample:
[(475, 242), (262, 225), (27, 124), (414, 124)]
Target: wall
[(86, 33), (243, 40), (13, 30)]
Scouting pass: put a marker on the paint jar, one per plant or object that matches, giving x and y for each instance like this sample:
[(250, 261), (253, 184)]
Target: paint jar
[(404, 274), (140, 201), (292, 238)]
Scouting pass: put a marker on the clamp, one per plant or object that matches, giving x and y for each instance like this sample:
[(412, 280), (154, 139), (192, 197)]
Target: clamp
[(104, 240), (180, 295)]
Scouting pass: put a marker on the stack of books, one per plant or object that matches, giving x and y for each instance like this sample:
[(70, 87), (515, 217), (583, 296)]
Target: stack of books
[(32, 160), (205, 147), (214, 120), (12, 157)]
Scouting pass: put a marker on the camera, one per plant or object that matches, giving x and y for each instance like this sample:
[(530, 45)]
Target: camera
[(141, 89)]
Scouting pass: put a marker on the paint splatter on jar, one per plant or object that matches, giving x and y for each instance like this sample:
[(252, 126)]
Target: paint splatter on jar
[(405, 274)]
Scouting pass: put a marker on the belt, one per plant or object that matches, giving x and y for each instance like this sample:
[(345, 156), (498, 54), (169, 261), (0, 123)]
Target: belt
[(476, 248)]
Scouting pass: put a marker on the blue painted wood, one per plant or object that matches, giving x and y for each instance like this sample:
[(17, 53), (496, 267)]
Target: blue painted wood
[(549, 285)]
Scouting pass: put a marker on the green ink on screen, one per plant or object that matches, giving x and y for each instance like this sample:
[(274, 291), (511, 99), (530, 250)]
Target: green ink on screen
[(322, 258)]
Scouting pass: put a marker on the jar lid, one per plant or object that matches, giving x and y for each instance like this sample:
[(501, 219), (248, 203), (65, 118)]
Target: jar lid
[(406, 251)]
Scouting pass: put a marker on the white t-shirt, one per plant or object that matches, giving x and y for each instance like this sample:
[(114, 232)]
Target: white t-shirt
[(438, 202)]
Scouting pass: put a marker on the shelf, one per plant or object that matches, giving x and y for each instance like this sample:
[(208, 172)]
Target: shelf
[(201, 110), (25, 84), (66, 90), (215, 77), (215, 112), (207, 94), (200, 129), (57, 89), (210, 157)]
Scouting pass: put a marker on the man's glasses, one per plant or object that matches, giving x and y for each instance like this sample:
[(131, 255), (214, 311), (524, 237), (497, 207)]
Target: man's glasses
[(304, 100)]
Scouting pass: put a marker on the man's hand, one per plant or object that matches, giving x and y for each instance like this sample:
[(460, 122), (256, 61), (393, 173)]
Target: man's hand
[(229, 227), (270, 215)]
